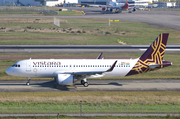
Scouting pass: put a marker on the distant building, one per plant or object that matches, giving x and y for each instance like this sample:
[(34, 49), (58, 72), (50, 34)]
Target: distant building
[(166, 4), (35, 2), (60, 2), (19, 2)]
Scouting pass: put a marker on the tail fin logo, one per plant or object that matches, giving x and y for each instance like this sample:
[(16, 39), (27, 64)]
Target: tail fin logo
[(153, 55)]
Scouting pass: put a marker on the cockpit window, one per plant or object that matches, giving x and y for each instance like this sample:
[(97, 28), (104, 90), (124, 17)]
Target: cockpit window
[(16, 65)]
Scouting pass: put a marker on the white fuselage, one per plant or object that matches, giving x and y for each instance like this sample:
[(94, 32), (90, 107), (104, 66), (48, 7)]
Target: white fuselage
[(47, 67)]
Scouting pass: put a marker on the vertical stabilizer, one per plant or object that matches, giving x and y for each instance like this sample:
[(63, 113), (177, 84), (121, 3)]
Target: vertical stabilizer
[(152, 58), (155, 52)]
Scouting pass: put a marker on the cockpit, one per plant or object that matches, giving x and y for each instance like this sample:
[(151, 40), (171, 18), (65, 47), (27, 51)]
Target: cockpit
[(16, 65)]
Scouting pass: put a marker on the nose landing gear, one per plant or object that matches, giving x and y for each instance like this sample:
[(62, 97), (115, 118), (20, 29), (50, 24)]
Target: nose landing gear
[(28, 82)]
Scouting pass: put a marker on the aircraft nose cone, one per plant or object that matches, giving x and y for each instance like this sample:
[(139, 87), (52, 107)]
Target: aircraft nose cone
[(8, 71)]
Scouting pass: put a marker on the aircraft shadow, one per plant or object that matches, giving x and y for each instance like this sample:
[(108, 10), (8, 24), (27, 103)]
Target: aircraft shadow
[(53, 86), (111, 83)]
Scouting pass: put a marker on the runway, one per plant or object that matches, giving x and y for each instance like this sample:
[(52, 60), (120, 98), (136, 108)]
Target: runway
[(81, 48), (94, 85)]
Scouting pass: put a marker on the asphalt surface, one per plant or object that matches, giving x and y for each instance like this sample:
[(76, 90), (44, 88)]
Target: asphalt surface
[(81, 48), (165, 19), (94, 85)]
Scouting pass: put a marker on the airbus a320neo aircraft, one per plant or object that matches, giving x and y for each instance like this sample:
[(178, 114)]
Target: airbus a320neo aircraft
[(68, 71)]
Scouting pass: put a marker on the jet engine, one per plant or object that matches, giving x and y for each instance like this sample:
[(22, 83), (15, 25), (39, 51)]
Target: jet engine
[(65, 79)]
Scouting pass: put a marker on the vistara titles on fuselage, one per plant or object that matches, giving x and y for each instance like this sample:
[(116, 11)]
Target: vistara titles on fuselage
[(68, 71)]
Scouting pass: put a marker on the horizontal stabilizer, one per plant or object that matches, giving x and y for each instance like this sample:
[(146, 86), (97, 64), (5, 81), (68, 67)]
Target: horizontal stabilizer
[(152, 66)]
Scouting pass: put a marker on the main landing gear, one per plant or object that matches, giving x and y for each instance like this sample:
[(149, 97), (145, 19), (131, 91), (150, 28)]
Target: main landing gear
[(28, 82), (84, 82)]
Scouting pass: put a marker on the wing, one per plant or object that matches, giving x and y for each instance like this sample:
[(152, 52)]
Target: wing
[(83, 73)]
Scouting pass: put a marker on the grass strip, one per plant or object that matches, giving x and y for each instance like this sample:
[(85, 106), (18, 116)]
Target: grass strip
[(90, 98), (79, 31), (90, 102), (104, 117), (70, 109)]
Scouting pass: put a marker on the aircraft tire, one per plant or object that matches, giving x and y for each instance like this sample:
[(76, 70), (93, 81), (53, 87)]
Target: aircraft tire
[(82, 82), (86, 84), (27, 83)]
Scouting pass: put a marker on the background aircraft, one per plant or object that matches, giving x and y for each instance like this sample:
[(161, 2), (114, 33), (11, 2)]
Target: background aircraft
[(68, 71), (118, 7)]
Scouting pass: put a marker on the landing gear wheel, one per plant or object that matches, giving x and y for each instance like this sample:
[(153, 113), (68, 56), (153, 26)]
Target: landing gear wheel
[(27, 83), (82, 82), (86, 84)]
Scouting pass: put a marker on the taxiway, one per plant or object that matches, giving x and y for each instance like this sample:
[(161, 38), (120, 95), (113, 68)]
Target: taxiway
[(94, 85), (81, 48)]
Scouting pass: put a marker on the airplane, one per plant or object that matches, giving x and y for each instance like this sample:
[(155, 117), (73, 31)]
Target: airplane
[(68, 71), (119, 7)]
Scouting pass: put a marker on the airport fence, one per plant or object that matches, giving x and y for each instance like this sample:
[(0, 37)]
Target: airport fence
[(86, 109)]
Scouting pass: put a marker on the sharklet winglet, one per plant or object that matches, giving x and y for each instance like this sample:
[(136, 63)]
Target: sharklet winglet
[(112, 67)]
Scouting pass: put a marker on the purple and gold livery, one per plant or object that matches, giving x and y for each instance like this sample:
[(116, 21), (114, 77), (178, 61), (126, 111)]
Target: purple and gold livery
[(153, 56)]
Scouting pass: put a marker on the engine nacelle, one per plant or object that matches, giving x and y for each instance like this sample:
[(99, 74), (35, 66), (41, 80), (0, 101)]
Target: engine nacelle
[(65, 79)]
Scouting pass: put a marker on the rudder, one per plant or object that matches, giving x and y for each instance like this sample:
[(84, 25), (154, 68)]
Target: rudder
[(155, 52), (152, 56)]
